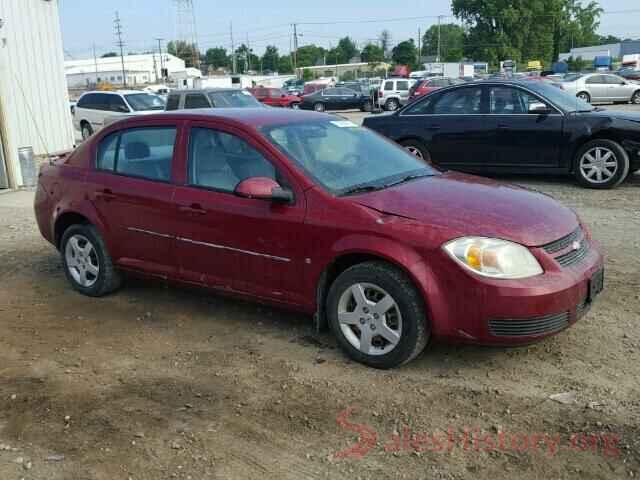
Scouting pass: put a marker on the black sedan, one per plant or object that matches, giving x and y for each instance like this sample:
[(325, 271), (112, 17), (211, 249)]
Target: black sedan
[(336, 98), (517, 127)]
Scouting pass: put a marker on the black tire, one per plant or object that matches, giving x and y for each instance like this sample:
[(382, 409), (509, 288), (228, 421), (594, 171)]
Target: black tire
[(620, 156), (416, 146), (584, 96), (85, 129), (295, 105), (635, 98), (416, 328), (108, 279), (391, 105), (366, 107), (319, 107)]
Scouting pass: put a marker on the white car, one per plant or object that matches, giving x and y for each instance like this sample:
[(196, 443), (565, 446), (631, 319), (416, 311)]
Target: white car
[(601, 87), (94, 110)]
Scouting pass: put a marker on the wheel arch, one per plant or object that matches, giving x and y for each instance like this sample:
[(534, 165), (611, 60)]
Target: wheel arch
[(66, 218), (610, 136)]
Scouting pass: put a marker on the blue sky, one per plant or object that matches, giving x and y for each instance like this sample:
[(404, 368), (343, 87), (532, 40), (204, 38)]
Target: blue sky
[(267, 22)]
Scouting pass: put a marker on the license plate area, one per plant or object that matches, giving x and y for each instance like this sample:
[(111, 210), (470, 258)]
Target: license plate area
[(596, 285)]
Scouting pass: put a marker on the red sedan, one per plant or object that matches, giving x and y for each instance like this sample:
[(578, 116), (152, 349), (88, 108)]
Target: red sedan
[(311, 212), (275, 97), (428, 85)]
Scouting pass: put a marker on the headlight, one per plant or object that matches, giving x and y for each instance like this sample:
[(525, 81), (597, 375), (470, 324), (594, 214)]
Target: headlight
[(493, 257)]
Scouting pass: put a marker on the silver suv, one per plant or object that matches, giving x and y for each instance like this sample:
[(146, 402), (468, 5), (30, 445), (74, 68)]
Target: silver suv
[(394, 93), (211, 98)]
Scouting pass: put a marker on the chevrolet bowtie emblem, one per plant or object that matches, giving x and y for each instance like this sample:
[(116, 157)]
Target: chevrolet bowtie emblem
[(576, 245)]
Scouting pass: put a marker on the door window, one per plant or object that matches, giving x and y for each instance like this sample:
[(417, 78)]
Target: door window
[(509, 101), (196, 100), (595, 79), (88, 101), (464, 101), (101, 101), (139, 152), (220, 161), (330, 92), (388, 86), (173, 102), (116, 104), (402, 85), (612, 80)]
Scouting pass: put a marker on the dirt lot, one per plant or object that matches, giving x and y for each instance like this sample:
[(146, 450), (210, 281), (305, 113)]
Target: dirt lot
[(156, 382)]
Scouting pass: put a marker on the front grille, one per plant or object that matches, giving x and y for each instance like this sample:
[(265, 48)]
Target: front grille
[(564, 242), (574, 256), (532, 326)]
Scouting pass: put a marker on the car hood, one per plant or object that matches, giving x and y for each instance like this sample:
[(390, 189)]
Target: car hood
[(465, 205)]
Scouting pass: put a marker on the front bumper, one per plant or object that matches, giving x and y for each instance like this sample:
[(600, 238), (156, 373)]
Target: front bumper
[(516, 312)]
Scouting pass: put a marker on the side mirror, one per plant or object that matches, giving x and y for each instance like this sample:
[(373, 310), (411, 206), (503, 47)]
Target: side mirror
[(539, 109), (263, 188)]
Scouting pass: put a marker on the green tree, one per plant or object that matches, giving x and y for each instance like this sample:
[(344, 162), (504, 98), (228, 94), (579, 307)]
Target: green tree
[(307, 75), (310, 55), (603, 40), (187, 52), (405, 53), (216, 58), (246, 60), (109, 55), (372, 54), (452, 38), (347, 50), (285, 64), (270, 59)]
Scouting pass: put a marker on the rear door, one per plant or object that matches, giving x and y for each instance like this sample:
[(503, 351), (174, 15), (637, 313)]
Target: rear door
[(598, 88), (617, 87), (402, 89), (131, 188), (523, 140)]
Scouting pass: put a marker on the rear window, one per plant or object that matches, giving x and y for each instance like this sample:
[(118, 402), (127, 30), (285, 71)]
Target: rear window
[(173, 102)]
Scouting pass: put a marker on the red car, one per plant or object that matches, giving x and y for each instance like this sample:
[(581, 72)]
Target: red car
[(311, 212), (275, 97), (428, 85)]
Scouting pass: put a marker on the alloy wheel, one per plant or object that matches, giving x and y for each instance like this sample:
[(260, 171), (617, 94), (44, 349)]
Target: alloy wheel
[(82, 260), (415, 152), (86, 133), (584, 96), (598, 165), (636, 98), (370, 319)]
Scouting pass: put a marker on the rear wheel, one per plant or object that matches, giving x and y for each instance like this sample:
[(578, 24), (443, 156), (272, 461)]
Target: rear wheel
[(367, 107), (601, 164), (318, 107), (87, 263), (417, 149), (86, 130), (295, 105), (391, 105), (635, 99), (378, 315), (584, 96)]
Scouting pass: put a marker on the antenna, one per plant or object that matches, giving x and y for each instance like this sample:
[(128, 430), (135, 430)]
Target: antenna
[(186, 28), (118, 29)]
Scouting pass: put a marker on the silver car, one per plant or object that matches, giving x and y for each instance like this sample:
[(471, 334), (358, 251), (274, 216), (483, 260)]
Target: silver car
[(601, 87)]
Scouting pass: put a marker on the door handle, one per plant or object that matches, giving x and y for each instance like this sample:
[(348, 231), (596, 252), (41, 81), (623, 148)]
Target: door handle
[(193, 209), (433, 127), (502, 126), (107, 195)]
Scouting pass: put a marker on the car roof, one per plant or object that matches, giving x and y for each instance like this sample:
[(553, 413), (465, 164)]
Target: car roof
[(205, 90), (254, 117), (115, 92)]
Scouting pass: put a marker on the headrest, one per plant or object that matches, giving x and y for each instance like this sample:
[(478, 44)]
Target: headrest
[(137, 150)]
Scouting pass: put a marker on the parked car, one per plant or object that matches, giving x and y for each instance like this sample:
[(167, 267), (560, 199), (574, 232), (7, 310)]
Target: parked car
[(394, 93), (517, 127), (314, 213), (275, 97), (336, 98), (313, 87), (294, 87), (629, 73), (211, 98), (601, 87), (95, 109), (428, 85)]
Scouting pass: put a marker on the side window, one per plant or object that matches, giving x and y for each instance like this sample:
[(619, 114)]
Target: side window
[(595, 79), (504, 101), (220, 161), (106, 158), (196, 100), (173, 102), (116, 104), (421, 107), (388, 86), (611, 80), (87, 101), (464, 101), (402, 85), (146, 153)]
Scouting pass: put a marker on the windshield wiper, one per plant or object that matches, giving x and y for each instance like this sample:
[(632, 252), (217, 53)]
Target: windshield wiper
[(408, 178), (362, 189)]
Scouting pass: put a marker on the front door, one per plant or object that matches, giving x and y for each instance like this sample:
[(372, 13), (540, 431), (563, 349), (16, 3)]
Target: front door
[(131, 188), (523, 139), (232, 243), (598, 88)]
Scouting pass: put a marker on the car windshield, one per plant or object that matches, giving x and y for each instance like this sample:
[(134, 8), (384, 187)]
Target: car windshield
[(560, 98), (344, 158), (234, 99), (144, 101)]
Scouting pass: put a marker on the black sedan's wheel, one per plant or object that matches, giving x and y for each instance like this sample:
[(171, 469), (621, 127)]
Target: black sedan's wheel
[(87, 264), (417, 149), (318, 107), (601, 164), (584, 96), (378, 315), (391, 105), (366, 107), (635, 99)]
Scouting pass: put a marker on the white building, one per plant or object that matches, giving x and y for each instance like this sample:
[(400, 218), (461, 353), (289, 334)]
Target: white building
[(34, 105), (615, 50), (139, 69)]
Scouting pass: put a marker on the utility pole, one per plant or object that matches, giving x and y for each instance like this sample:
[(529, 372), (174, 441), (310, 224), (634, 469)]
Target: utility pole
[(95, 62), (295, 46), (120, 43), (161, 60), (233, 50), (248, 54), (439, 38), (419, 46)]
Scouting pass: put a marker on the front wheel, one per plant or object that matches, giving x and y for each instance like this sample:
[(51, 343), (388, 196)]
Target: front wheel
[(391, 105), (378, 315), (295, 105), (584, 96), (319, 107), (601, 164), (417, 149), (635, 99), (87, 263)]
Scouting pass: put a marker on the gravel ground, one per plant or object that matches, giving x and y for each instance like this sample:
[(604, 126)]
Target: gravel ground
[(156, 382)]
